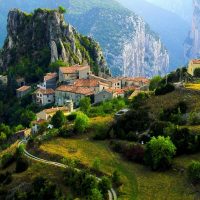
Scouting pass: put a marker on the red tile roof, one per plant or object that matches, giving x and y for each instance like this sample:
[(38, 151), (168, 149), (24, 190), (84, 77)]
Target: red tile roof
[(86, 83), (23, 88), (136, 79), (45, 91), (73, 69), (77, 90), (49, 76), (53, 110), (197, 61), (115, 90)]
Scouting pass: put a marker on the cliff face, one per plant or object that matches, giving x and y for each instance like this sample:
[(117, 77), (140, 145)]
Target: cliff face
[(192, 43), (130, 47), (43, 37)]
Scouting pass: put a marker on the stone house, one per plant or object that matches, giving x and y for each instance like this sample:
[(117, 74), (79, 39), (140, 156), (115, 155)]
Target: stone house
[(3, 80), (136, 81), (47, 114), (91, 83), (49, 81), (64, 93), (70, 74), (22, 91), (108, 94), (115, 83), (193, 64), (44, 96)]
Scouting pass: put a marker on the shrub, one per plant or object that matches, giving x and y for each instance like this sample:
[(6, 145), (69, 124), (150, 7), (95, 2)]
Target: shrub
[(158, 128), (81, 122), (95, 195), (194, 118), (72, 116), (96, 164), (85, 105), (159, 153), (139, 100), (19, 151), (116, 178), (193, 172), (164, 89), (197, 72), (58, 120), (21, 165), (154, 83), (65, 131), (104, 185), (6, 160), (5, 178)]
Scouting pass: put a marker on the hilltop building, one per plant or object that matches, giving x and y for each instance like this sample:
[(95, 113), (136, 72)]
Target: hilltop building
[(193, 64)]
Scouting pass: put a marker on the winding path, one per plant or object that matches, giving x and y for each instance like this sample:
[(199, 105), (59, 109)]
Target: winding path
[(111, 193)]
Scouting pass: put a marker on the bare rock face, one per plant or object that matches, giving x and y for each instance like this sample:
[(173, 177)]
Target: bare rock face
[(192, 43), (44, 35), (130, 47)]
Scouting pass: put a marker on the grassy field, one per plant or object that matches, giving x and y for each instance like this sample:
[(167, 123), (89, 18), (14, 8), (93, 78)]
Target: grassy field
[(157, 103), (139, 182)]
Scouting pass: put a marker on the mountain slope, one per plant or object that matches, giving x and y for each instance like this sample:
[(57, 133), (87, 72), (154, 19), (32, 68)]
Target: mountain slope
[(171, 28), (129, 45), (192, 43), (43, 37)]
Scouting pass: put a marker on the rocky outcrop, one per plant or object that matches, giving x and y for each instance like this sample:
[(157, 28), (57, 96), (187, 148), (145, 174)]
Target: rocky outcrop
[(130, 47), (44, 37), (192, 43)]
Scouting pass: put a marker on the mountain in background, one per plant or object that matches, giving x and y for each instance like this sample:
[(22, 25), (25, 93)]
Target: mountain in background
[(183, 8), (171, 28), (130, 47), (192, 43)]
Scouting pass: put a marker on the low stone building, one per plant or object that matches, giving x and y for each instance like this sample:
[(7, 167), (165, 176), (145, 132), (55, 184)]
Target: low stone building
[(47, 114), (49, 81), (193, 64), (136, 81), (44, 96), (64, 93), (91, 83), (22, 91), (108, 94), (70, 74)]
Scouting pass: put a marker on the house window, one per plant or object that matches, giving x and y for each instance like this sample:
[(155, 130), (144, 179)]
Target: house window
[(49, 100)]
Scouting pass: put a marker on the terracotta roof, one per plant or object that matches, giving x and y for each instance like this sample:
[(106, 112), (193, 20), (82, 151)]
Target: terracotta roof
[(114, 80), (53, 110), (77, 90), (23, 88), (86, 83), (115, 90), (130, 88), (49, 76), (196, 61), (73, 69), (40, 121), (136, 79), (45, 91)]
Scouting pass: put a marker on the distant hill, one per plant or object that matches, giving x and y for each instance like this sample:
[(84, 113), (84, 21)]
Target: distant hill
[(171, 28)]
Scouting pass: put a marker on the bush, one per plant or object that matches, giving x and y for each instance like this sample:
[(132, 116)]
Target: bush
[(58, 120), (158, 128), (116, 179), (159, 153), (81, 122), (164, 89), (194, 118), (5, 178), (6, 160), (193, 172), (72, 116), (139, 100), (154, 83), (21, 165), (85, 105), (65, 131), (96, 164), (104, 186)]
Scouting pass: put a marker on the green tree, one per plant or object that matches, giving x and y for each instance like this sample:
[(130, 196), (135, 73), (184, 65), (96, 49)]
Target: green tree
[(3, 137), (85, 105), (58, 120), (62, 10), (81, 122), (104, 185), (116, 178), (154, 83), (26, 117), (197, 72), (95, 195), (159, 153), (193, 171)]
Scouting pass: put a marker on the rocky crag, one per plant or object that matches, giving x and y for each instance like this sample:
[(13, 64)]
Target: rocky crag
[(192, 43), (44, 37)]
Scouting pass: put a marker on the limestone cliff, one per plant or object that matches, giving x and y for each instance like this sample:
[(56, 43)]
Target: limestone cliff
[(130, 47), (192, 43), (44, 37)]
